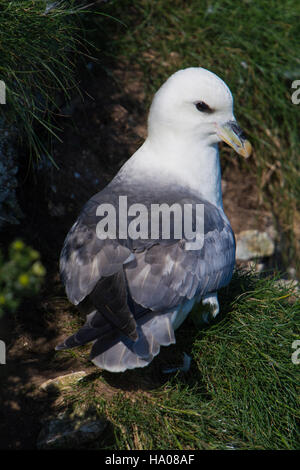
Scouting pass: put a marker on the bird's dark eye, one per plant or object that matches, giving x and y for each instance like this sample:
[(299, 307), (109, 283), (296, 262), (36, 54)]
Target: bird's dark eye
[(201, 106)]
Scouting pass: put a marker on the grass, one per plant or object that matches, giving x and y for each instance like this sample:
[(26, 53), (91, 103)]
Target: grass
[(38, 56), (241, 393), (253, 46)]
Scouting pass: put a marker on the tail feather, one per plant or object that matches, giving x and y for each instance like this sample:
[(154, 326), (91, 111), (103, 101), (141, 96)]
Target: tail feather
[(154, 331)]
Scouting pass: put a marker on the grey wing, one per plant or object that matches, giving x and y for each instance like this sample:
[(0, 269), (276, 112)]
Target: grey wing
[(130, 287), (166, 275), (160, 273), (92, 272), (85, 259)]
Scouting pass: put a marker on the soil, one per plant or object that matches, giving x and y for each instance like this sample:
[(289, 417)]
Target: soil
[(100, 134)]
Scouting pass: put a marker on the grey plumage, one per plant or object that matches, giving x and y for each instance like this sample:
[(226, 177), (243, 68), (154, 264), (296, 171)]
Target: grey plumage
[(135, 300)]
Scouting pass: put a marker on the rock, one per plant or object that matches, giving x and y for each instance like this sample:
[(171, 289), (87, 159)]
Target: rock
[(72, 431), (288, 284), (63, 382), (254, 244)]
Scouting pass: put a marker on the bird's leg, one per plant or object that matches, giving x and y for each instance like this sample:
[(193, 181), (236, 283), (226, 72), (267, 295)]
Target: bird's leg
[(210, 307)]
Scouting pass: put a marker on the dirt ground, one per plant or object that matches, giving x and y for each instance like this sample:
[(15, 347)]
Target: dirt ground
[(99, 135)]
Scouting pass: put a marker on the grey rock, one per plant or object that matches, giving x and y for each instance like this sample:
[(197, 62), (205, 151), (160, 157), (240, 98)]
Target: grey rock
[(254, 244), (291, 284), (72, 431), (63, 382)]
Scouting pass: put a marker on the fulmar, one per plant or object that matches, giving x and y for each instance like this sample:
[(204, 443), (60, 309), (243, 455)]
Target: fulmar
[(137, 287)]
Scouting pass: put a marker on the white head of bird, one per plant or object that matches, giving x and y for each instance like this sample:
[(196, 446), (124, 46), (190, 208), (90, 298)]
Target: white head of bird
[(190, 113), (196, 103)]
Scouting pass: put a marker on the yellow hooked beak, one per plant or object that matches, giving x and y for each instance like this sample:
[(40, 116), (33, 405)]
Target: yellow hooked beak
[(233, 135)]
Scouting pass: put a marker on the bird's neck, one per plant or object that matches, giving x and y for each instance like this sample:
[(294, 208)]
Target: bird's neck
[(196, 167)]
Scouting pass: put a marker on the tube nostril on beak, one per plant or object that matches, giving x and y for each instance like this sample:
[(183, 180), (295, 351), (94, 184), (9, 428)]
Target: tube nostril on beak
[(237, 130)]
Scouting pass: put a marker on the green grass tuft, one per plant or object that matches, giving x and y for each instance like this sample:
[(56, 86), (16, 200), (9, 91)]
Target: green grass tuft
[(38, 49)]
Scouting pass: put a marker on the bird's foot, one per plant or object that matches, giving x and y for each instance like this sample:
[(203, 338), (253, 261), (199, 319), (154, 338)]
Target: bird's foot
[(210, 305), (184, 368), (206, 311)]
